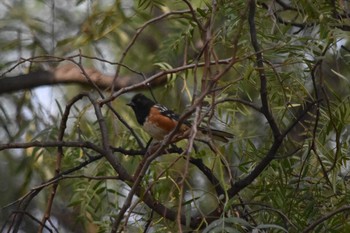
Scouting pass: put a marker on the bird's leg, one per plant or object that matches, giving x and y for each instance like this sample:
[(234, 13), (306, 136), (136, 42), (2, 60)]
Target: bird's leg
[(175, 149), (149, 143), (195, 147)]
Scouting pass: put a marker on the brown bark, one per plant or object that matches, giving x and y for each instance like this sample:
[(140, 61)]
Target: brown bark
[(68, 73)]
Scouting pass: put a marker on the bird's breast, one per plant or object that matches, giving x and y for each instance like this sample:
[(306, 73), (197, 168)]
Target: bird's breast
[(158, 125)]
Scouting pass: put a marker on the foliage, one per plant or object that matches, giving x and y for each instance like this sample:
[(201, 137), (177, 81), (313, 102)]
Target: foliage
[(274, 73)]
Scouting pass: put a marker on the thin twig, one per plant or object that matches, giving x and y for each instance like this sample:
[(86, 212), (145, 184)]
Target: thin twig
[(193, 13), (244, 102), (62, 128), (138, 32), (36, 189)]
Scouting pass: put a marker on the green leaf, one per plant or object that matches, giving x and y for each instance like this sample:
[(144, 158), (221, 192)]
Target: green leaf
[(341, 76)]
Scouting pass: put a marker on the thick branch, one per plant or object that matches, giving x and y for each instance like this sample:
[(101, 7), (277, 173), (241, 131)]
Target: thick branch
[(71, 73), (64, 74)]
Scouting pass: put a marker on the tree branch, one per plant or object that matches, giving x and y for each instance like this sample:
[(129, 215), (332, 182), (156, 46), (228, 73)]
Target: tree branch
[(59, 156), (66, 74), (260, 66), (70, 73), (324, 218)]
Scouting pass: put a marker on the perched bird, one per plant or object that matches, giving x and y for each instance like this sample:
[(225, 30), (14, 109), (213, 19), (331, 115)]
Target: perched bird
[(158, 121)]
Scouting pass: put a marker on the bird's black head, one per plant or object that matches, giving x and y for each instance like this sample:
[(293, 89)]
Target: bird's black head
[(141, 106)]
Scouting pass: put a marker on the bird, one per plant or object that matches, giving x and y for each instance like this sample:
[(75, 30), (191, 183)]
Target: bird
[(158, 121)]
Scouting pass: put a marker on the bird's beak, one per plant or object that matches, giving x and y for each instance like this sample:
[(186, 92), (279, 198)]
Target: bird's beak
[(131, 104)]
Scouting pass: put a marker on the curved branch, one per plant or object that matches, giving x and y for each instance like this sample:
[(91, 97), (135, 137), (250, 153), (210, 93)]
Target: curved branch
[(324, 218), (25, 200), (265, 108)]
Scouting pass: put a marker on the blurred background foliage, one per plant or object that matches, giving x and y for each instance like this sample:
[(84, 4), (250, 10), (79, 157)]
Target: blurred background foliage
[(306, 50)]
